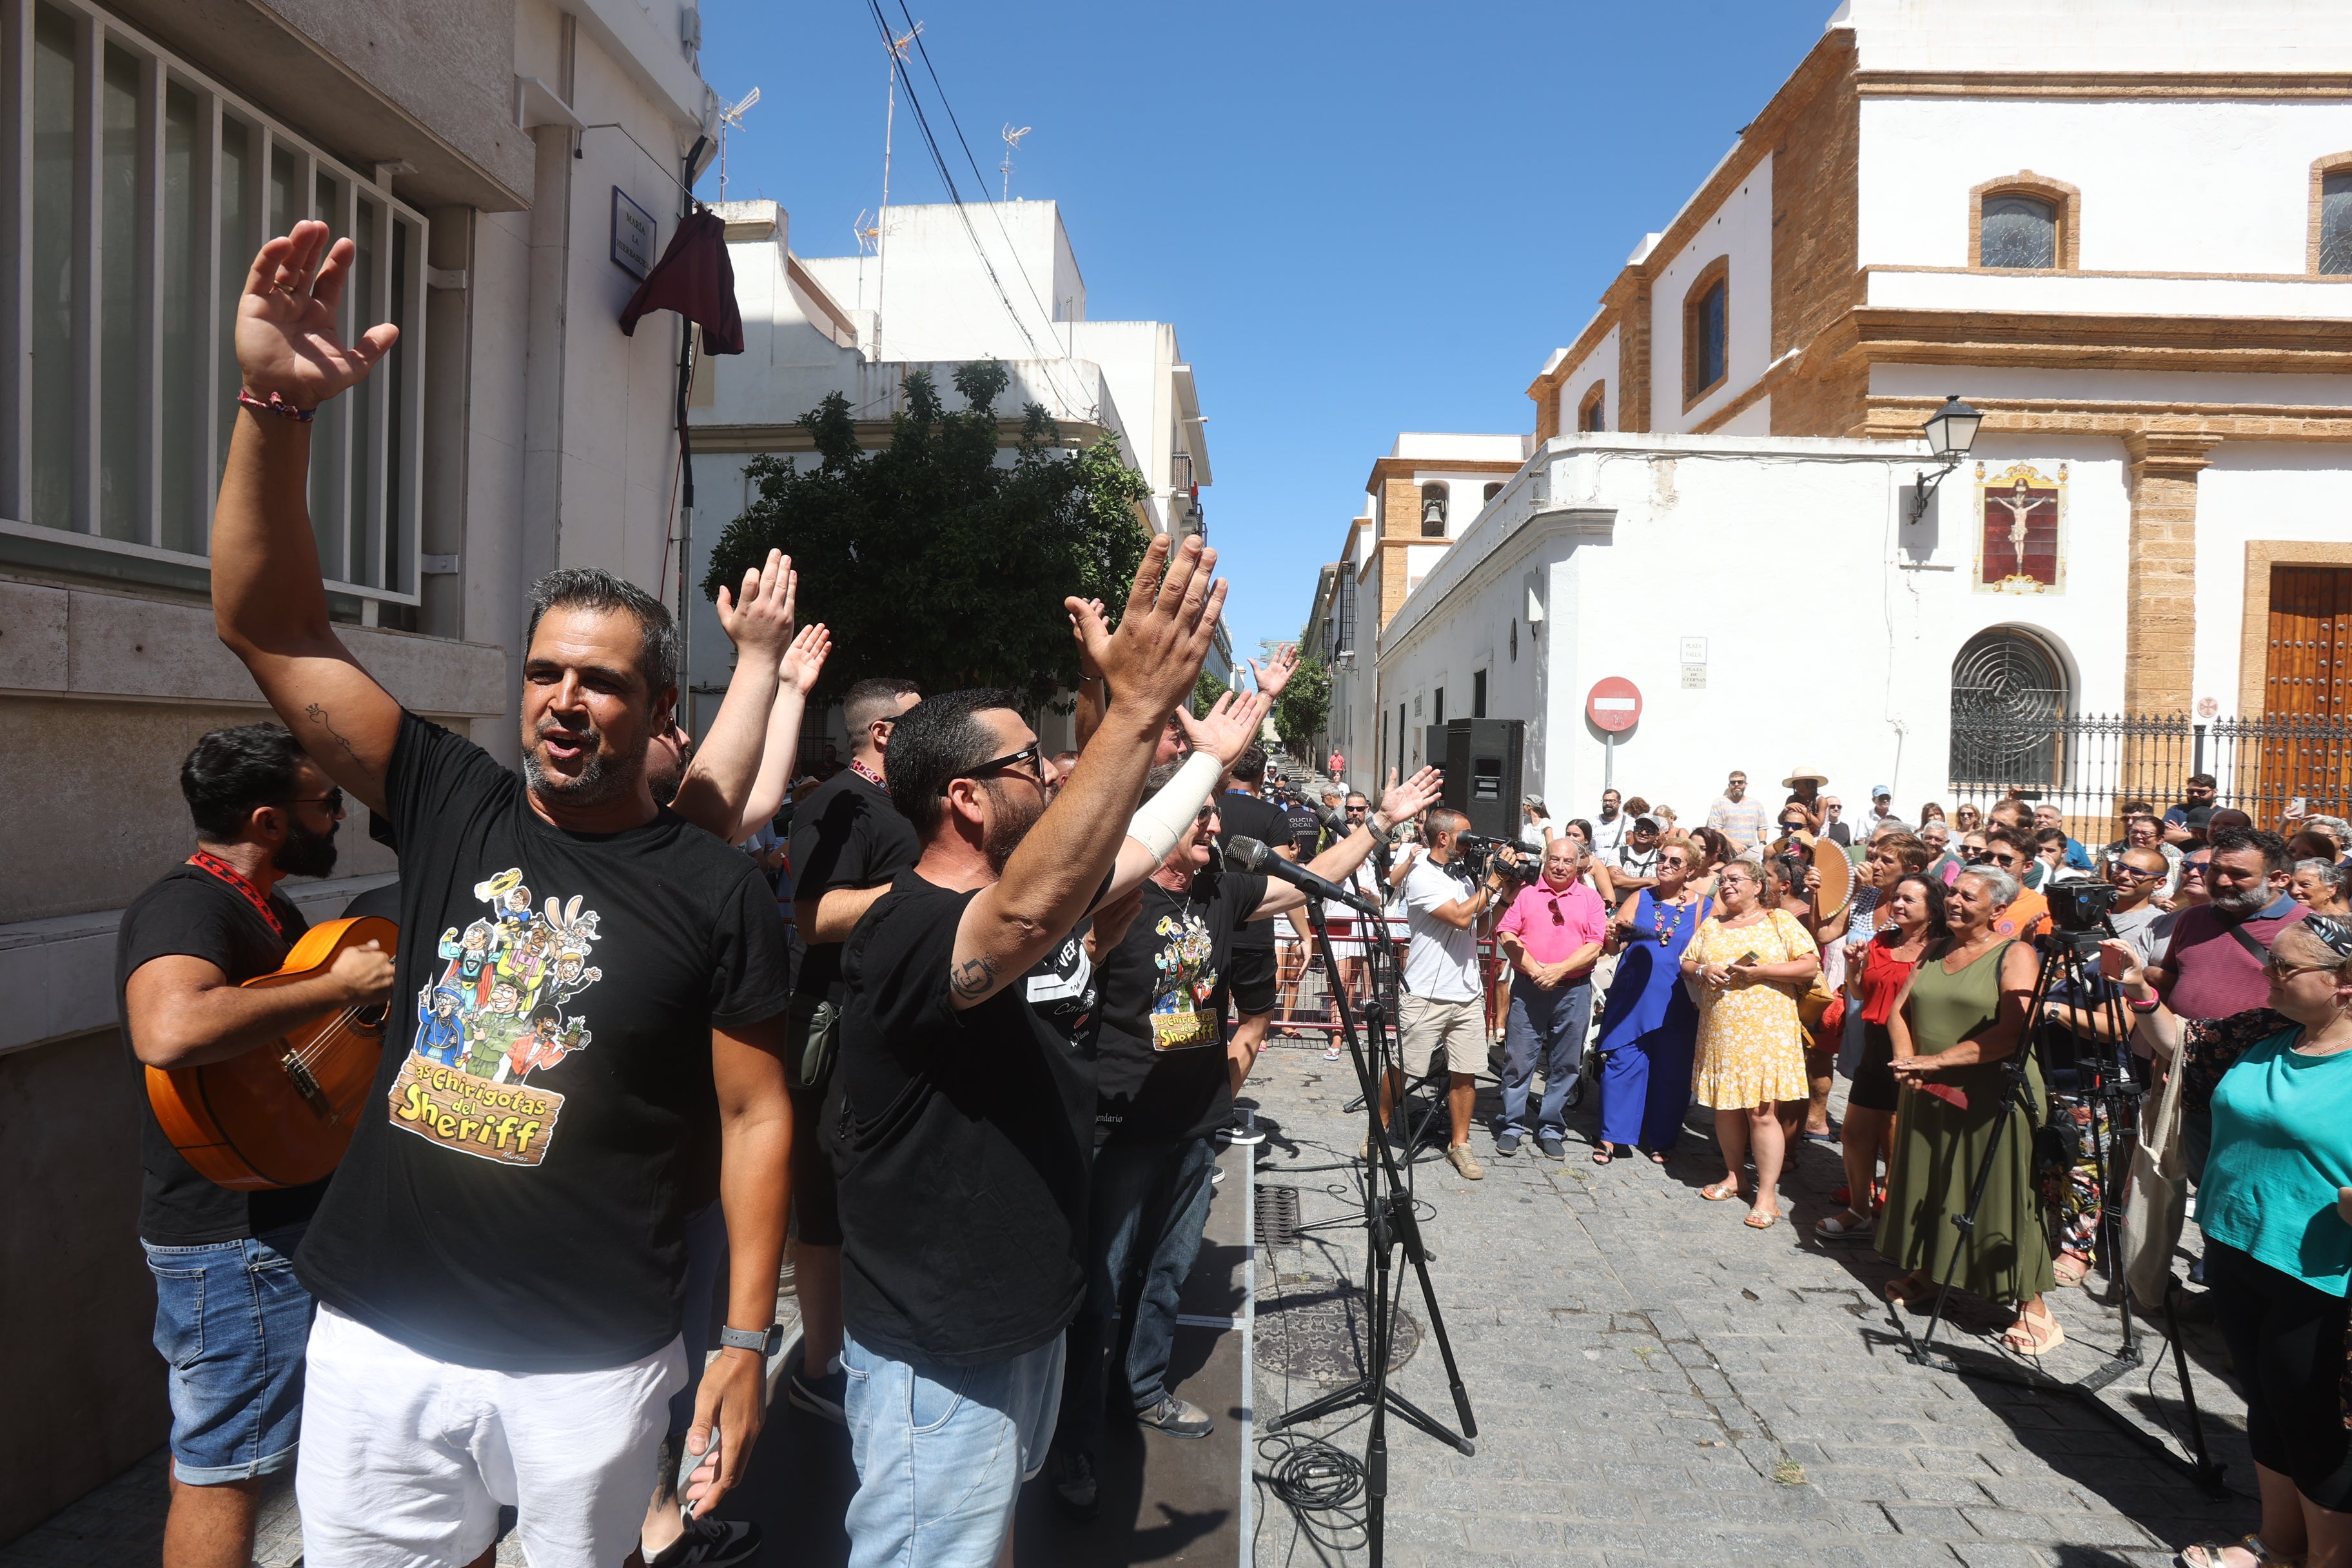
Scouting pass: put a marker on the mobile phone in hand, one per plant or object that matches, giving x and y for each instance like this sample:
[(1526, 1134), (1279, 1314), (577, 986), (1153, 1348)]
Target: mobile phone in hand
[(688, 1462)]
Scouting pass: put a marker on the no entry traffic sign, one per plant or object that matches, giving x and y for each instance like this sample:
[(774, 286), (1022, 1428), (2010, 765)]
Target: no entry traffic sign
[(1613, 704)]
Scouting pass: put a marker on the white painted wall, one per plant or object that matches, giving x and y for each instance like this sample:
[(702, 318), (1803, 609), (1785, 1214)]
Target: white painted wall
[(1742, 230), (2257, 490), (1601, 366), (2100, 35), (2168, 185)]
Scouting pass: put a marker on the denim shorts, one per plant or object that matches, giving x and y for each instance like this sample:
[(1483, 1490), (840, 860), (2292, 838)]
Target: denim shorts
[(231, 1320), (941, 1452)]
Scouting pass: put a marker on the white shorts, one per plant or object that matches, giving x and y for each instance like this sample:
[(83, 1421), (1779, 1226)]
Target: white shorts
[(405, 1459)]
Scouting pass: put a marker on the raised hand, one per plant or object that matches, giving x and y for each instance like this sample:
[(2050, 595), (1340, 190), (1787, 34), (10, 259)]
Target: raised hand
[(1276, 673), (288, 341), (1227, 729), (1088, 668), (758, 619), (1402, 802), (805, 660), (1152, 662)]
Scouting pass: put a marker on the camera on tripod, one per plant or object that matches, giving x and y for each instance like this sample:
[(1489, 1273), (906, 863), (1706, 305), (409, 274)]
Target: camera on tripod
[(1478, 855), (2079, 911)]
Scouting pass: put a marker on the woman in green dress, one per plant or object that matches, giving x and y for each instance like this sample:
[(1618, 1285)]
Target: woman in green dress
[(1960, 1016)]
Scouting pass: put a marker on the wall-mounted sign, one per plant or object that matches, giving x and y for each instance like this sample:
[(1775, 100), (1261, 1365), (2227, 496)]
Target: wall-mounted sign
[(1693, 677), (634, 233), (1693, 650)]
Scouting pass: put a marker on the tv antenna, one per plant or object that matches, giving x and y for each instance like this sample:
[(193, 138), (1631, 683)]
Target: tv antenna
[(1011, 145), (864, 231), (731, 118)]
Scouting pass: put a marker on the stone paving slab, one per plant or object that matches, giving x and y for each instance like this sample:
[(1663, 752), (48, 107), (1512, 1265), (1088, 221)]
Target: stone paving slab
[(1654, 1382)]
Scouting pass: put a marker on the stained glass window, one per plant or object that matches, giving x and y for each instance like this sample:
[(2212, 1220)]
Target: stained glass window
[(2018, 231), (2336, 224)]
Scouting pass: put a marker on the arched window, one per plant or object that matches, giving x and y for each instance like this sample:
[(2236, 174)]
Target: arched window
[(1433, 511), (1592, 414), (2331, 216), (2024, 222), (1707, 331), (2008, 700)]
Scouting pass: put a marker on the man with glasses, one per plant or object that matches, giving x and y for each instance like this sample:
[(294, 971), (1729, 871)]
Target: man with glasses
[(186, 946), (964, 1094), (2011, 850), (2182, 828), (1551, 936), (1637, 862), (1735, 816), (1835, 827)]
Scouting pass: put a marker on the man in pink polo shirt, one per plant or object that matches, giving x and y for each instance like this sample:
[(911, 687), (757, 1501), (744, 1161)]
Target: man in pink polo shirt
[(1551, 935)]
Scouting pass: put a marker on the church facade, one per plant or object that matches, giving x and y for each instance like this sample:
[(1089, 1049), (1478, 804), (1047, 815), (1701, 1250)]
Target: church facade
[(2133, 259)]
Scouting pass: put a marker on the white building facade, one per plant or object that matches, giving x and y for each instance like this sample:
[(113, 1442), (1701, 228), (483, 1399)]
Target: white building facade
[(2122, 231)]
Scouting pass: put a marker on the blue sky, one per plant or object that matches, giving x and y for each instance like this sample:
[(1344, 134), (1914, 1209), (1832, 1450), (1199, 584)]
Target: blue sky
[(1362, 219)]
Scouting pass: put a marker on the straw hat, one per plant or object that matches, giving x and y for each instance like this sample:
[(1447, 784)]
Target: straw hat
[(1801, 775)]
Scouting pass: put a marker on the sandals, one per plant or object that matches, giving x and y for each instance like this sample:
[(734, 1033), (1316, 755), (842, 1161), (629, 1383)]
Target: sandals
[(2207, 1555), (1602, 1154), (1722, 1192), (1757, 1220), (2034, 1334), (1846, 1227), (2070, 1267)]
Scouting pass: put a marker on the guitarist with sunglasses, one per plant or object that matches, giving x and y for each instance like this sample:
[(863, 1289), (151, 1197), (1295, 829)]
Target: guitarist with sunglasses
[(230, 1317)]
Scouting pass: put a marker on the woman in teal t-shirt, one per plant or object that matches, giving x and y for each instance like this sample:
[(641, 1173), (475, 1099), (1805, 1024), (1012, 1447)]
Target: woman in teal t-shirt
[(2276, 1211)]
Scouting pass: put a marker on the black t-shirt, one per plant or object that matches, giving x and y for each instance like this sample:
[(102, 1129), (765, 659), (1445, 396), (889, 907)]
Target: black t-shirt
[(1246, 816), (1160, 1058), (1306, 828), (191, 912), (379, 903), (517, 1198), (846, 833), (962, 1140)]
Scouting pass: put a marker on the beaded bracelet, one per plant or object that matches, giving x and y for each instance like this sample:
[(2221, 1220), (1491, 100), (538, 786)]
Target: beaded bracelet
[(277, 405)]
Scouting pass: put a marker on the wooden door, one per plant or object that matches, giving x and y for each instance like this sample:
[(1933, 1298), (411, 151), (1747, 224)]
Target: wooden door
[(2307, 688)]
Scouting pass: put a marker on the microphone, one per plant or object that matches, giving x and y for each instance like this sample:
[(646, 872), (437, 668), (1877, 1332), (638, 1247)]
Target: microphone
[(1249, 854)]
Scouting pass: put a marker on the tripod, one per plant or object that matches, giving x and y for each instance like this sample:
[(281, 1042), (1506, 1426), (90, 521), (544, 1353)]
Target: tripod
[(1389, 1224), (2070, 959)]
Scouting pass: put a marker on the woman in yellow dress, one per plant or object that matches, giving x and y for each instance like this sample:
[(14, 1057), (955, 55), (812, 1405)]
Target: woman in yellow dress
[(1749, 963)]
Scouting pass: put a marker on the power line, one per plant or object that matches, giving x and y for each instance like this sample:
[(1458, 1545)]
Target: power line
[(939, 163)]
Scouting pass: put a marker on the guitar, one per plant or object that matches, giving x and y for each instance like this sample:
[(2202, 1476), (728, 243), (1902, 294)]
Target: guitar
[(281, 1115)]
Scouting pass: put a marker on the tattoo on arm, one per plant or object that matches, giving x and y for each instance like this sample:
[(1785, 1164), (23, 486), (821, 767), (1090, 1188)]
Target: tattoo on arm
[(974, 978), (318, 715)]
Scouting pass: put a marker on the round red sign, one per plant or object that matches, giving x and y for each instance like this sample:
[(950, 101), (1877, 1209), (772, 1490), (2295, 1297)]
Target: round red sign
[(1614, 703)]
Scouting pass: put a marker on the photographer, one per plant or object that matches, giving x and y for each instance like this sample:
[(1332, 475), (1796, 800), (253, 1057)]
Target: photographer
[(1446, 1012), (1551, 935)]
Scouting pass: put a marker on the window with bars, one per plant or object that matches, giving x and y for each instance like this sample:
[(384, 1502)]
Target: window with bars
[(138, 190)]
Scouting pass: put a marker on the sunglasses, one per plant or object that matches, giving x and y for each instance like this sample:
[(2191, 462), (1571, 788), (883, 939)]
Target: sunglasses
[(2121, 873), (333, 800), (2277, 971), (2193, 868), (1030, 754)]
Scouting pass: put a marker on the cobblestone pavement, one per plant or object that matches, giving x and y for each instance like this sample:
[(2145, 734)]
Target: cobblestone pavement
[(1654, 1382)]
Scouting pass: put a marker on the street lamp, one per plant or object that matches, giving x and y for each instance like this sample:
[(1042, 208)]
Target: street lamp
[(1950, 431)]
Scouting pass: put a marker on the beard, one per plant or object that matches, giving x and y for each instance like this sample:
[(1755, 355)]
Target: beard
[(2240, 906), (1008, 824), (601, 778), (305, 853)]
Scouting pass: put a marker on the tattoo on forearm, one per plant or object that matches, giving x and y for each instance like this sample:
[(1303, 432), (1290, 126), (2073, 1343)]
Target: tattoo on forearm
[(974, 978), (318, 715)]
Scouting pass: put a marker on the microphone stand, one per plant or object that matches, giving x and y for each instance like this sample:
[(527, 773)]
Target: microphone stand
[(1389, 1224)]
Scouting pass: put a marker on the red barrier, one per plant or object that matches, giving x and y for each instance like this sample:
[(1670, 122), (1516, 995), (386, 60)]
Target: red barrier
[(1303, 1006)]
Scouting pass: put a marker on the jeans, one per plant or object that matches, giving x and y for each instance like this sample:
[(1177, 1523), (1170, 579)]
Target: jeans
[(941, 1452), (1552, 1022), (1147, 1209), (232, 1320)]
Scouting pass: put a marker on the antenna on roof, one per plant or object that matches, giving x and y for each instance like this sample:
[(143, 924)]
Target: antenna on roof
[(1011, 145), (863, 230), (731, 118), (898, 46)]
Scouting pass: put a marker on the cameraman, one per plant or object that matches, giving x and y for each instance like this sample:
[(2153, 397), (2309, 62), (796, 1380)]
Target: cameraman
[(1446, 1010)]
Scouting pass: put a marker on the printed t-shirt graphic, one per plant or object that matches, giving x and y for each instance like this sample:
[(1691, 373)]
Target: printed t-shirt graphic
[(516, 1192), (1185, 962), (497, 1014)]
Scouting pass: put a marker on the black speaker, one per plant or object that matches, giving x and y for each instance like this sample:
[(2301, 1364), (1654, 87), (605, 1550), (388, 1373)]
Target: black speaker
[(1482, 759)]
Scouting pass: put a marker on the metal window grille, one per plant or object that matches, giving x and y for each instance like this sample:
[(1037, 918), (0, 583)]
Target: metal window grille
[(138, 190)]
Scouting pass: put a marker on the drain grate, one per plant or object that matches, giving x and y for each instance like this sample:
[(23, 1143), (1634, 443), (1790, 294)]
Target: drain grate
[(1312, 1327), (1277, 1216)]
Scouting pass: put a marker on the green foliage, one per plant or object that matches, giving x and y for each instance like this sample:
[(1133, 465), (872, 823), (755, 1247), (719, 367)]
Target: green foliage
[(1205, 692), (1305, 706), (931, 559)]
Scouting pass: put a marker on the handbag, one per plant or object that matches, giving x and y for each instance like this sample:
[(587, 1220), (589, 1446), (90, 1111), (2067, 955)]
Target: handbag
[(812, 1028), (2155, 1198)]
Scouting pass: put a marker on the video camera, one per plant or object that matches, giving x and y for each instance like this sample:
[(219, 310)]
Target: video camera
[(1479, 856), (2078, 912)]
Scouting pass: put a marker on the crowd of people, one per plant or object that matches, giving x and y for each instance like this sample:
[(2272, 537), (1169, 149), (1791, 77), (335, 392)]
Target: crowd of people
[(967, 1018)]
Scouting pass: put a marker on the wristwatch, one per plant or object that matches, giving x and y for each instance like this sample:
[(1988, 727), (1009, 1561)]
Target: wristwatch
[(767, 1342)]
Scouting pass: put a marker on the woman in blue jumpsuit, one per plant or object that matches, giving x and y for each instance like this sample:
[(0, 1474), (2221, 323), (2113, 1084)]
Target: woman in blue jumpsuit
[(1651, 1027)]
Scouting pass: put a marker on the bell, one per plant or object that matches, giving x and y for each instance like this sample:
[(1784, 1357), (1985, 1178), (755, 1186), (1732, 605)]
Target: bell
[(1433, 512)]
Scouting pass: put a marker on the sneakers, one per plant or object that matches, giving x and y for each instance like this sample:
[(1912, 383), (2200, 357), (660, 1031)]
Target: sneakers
[(819, 1396), (1073, 1474), (1551, 1145), (1506, 1141), (1176, 1417), (1458, 1156)]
